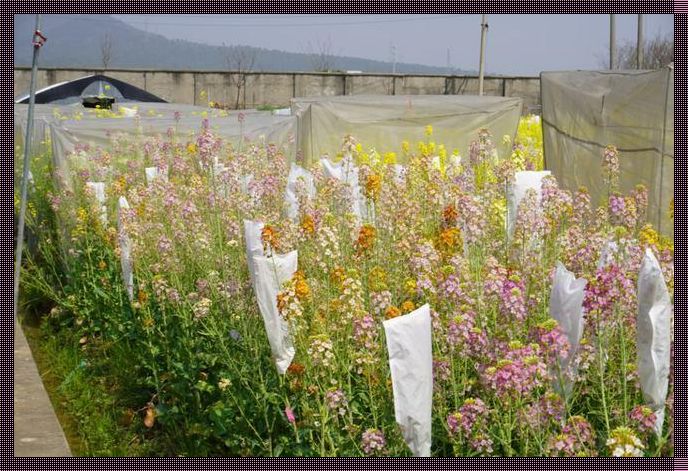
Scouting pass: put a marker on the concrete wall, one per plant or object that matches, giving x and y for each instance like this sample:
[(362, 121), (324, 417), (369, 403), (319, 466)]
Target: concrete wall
[(266, 88)]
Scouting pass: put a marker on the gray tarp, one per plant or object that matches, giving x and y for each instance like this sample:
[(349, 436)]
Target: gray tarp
[(584, 111), (386, 121), (66, 125)]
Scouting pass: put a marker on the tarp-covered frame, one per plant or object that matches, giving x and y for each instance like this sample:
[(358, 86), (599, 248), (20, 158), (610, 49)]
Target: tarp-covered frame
[(386, 121), (584, 111)]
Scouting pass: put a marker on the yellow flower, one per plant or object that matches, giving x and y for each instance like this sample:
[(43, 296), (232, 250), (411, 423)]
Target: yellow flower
[(410, 287), (408, 306), (338, 275), (301, 288), (102, 265), (191, 148), (373, 185), (377, 279), (428, 130), (405, 146), (390, 158), (307, 224)]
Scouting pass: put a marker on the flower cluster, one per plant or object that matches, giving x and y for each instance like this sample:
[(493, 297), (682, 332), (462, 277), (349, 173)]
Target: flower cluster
[(336, 401), (517, 374), (643, 418), (623, 442), (373, 441), (321, 351)]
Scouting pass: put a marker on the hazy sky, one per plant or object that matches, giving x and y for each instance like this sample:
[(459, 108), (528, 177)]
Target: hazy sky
[(516, 44)]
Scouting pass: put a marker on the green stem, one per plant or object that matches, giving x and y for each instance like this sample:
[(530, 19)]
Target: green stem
[(600, 356)]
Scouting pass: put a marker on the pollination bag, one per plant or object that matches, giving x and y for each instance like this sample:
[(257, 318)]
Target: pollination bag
[(297, 173), (271, 273), (566, 307), (409, 344), (246, 185), (125, 249), (523, 181), (98, 190), (346, 171), (154, 172), (254, 244), (655, 313)]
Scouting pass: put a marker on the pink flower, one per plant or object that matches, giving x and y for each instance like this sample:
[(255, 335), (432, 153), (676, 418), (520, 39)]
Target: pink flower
[(289, 412), (643, 418), (373, 440)]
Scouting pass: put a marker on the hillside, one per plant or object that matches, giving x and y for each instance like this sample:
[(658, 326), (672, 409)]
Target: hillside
[(75, 41)]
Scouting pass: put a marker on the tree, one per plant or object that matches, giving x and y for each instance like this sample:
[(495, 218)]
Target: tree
[(240, 60), (321, 56), (658, 52), (105, 50)]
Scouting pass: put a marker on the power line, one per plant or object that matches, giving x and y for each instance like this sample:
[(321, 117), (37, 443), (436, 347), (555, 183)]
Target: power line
[(273, 25)]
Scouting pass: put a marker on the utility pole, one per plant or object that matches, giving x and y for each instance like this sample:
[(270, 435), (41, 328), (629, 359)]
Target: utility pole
[(639, 46), (38, 40), (394, 59), (483, 37), (612, 41), (449, 67)]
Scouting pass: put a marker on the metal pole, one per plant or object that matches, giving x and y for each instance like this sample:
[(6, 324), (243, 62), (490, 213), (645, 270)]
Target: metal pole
[(612, 41), (483, 37), (25, 176), (394, 59), (639, 46)]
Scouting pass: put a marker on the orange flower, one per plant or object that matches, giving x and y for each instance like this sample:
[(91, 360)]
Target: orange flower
[(450, 215), (296, 369), (407, 306), (308, 225), (449, 239), (366, 237), (281, 301), (373, 185), (392, 312), (269, 236)]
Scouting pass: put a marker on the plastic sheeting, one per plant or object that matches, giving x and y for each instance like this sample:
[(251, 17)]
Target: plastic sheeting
[(633, 110), (386, 121), (346, 171), (271, 273), (98, 132), (154, 172), (409, 344), (125, 249), (566, 307), (98, 190), (297, 174), (523, 181), (654, 336), (254, 244)]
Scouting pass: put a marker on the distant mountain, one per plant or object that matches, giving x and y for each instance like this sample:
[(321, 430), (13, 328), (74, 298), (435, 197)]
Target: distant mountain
[(77, 41)]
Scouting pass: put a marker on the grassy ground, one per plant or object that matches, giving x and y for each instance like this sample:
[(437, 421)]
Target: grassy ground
[(93, 412)]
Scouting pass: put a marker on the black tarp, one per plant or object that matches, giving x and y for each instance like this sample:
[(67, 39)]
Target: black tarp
[(73, 91)]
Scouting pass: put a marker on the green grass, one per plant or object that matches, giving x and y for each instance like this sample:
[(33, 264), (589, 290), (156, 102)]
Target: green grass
[(94, 413)]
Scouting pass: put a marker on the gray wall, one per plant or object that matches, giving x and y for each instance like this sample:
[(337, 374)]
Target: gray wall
[(266, 88)]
